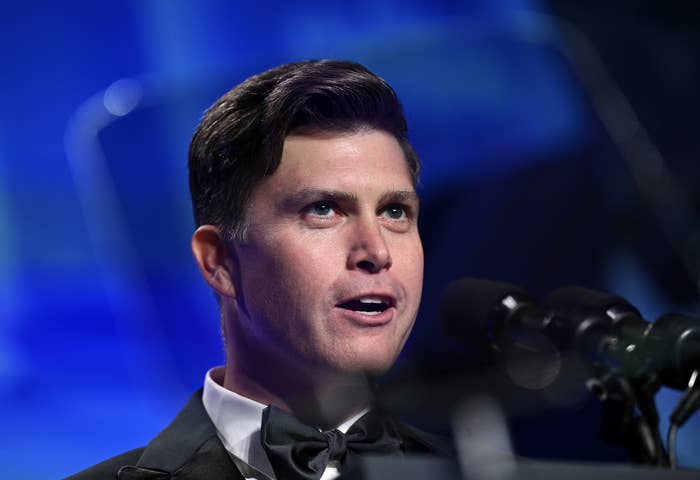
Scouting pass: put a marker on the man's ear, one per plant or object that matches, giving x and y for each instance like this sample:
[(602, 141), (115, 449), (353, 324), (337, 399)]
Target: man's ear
[(210, 250)]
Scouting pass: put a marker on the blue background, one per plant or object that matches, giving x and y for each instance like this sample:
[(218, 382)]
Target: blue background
[(105, 325)]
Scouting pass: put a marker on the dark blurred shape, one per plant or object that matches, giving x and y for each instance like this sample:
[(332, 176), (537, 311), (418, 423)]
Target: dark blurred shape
[(409, 468), (651, 48)]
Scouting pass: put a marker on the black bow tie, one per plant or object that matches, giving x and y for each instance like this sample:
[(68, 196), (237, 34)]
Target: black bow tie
[(298, 451)]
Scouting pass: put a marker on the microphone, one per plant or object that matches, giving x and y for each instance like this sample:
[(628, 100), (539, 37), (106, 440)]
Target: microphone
[(502, 319), (669, 347), (666, 351), (630, 356), (605, 329), (476, 310), (473, 310)]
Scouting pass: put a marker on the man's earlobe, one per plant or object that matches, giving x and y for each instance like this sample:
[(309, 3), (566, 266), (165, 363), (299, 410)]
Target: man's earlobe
[(211, 253)]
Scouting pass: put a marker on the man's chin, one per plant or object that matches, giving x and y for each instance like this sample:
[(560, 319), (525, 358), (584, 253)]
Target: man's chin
[(371, 367), (371, 360)]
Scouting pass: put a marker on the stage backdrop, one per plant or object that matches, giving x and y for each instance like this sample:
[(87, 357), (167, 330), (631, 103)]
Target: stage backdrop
[(532, 120)]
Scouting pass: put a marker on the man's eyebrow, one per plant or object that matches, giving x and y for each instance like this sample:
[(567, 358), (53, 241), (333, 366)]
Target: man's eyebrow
[(310, 195), (399, 196)]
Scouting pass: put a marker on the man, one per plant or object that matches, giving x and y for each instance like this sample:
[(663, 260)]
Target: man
[(303, 188)]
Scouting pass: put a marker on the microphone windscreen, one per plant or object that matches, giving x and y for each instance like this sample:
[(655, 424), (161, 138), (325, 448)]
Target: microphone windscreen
[(468, 306)]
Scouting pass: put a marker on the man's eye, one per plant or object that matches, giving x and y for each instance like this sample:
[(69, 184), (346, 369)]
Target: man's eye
[(395, 212), (321, 209)]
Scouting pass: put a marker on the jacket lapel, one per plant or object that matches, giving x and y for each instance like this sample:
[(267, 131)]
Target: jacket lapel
[(188, 449)]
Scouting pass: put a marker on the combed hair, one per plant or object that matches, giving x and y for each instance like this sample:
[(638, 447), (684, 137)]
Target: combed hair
[(240, 138)]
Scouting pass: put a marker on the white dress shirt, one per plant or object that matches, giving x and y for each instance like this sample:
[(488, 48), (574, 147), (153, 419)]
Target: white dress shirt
[(237, 420)]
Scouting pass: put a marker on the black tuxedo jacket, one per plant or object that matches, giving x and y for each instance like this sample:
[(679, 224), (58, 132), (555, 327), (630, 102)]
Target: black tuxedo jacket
[(189, 449)]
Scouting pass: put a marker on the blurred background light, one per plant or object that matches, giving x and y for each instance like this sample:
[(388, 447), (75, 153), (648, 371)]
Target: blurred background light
[(105, 325)]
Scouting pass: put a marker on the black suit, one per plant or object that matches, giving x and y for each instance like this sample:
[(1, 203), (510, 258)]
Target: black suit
[(190, 449)]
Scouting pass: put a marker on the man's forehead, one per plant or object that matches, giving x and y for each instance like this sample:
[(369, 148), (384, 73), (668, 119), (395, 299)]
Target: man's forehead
[(365, 155)]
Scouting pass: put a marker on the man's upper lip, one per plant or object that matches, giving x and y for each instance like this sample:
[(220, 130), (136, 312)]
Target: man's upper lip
[(387, 298)]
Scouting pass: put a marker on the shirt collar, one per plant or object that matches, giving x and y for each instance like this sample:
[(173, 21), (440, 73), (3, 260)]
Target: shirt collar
[(237, 420)]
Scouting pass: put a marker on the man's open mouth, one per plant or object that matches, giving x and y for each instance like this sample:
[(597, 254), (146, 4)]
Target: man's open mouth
[(368, 305)]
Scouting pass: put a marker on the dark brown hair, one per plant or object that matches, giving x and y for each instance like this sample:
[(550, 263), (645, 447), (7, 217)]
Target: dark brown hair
[(239, 141)]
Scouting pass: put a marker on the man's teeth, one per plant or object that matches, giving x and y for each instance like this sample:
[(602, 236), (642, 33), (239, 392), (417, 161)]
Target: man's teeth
[(371, 300), (367, 305)]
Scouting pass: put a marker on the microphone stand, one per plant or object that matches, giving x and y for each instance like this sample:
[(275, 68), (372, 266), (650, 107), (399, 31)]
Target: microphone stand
[(621, 425), (650, 416)]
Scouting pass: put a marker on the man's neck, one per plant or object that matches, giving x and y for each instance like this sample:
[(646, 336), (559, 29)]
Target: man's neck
[(323, 400)]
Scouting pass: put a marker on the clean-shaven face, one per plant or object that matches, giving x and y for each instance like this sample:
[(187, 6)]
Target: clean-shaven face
[(331, 270)]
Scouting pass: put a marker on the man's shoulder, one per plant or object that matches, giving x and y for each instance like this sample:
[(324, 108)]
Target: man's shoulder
[(416, 441), (188, 447), (109, 468)]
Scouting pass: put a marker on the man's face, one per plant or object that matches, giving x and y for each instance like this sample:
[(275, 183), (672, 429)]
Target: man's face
[(331, 270)]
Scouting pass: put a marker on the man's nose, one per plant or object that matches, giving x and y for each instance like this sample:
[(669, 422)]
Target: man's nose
[(369, 250)]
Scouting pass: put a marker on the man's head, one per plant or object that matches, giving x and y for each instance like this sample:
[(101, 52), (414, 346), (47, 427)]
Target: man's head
[(303, 185), (240, 139)]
